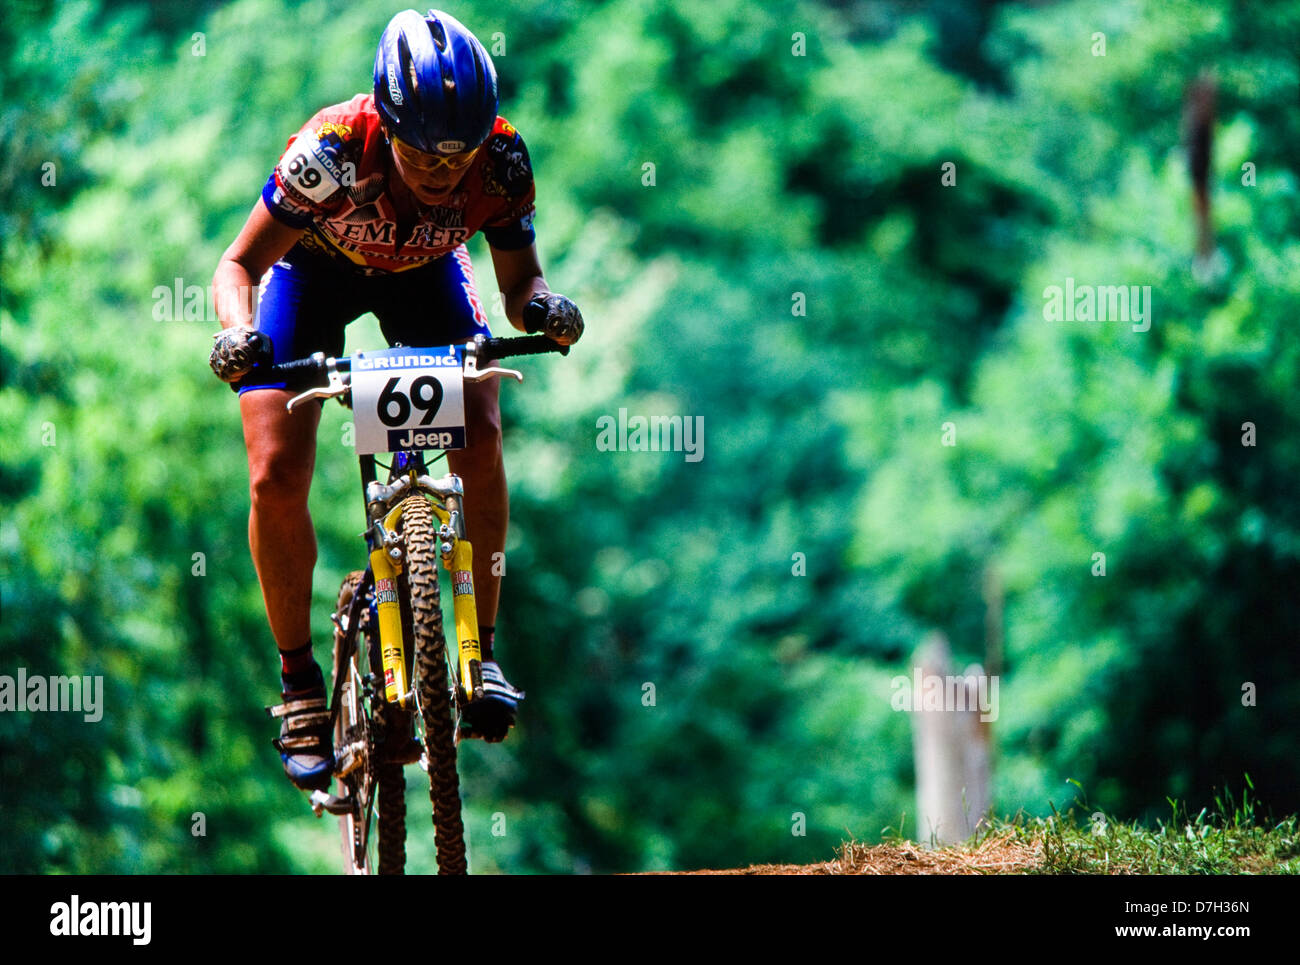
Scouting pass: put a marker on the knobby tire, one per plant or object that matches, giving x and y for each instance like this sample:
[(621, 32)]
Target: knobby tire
[(433, 681)]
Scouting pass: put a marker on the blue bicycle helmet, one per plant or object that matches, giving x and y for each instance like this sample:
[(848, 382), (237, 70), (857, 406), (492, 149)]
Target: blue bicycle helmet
[(435, 86)]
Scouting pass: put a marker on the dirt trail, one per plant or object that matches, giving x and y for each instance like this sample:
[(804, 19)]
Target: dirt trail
[(999, 854)]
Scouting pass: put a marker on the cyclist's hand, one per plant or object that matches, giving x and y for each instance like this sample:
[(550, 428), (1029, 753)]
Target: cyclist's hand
[(554, 316), (236, 351)]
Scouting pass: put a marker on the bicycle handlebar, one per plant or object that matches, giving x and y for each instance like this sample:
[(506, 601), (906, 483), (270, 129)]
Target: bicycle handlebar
[(303, 373)]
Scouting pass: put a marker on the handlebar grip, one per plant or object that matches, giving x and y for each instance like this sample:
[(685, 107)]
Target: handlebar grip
[(504, 348), (298, 374), (311, 364)]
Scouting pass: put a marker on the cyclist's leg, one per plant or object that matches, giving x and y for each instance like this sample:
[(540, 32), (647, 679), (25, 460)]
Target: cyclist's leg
[(281, 456), (303, 312), (439, 305), (301, 307)]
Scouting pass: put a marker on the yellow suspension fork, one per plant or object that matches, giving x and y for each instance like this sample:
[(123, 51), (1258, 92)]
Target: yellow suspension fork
[(397, 688), (458, 560)]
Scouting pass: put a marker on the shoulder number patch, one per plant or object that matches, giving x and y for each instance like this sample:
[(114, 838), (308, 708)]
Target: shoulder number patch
[(311, 168)]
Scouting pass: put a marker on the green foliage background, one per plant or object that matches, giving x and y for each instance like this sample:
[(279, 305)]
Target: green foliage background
[(775, 174)]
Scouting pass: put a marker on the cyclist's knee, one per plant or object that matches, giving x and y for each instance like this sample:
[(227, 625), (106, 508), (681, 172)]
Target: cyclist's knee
[(281, 451), (279, 478)]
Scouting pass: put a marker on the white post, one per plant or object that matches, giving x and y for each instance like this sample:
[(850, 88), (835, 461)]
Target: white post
[(951, 747)]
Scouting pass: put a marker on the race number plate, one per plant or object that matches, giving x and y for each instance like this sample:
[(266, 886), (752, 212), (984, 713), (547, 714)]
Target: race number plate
[(409, 398)]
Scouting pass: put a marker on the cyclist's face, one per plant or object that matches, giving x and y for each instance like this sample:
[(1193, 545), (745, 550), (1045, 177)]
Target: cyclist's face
[(431, 177)]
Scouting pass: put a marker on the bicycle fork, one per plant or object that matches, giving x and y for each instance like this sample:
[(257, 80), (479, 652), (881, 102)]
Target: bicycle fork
[(386, 561), (458, 560)]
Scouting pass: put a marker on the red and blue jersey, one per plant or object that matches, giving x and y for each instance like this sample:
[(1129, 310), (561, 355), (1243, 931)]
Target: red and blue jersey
[(336, 179)]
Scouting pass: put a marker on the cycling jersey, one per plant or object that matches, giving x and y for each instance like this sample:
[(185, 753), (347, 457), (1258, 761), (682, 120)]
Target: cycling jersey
[(336, 179)]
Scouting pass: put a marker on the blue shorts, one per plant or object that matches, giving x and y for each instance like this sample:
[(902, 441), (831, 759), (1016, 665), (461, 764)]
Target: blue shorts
[(307, 301)]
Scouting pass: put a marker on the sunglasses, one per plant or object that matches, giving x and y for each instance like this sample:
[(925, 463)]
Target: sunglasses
[(433, 163)]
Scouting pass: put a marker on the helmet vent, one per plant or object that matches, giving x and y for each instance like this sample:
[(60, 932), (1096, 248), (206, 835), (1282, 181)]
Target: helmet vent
[(438, 33), (450, 94), (480, 75), (406, 63)]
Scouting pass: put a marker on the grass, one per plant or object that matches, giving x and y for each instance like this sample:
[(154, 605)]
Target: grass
[(1230, 838)]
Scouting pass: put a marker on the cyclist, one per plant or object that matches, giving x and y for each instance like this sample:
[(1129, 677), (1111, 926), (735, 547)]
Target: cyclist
[(368, 209)]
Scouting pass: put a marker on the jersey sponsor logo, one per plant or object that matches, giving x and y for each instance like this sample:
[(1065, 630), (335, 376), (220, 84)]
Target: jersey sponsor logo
[(394, 91), (359, 257), (444, 217), (366, 226), (363, 232), (509, 165), (434, 237), (467, 286), (471, 295), (285, 202)]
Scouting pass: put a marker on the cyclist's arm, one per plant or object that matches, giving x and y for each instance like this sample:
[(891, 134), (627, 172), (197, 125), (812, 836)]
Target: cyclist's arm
[(262, 242), (519, 278)]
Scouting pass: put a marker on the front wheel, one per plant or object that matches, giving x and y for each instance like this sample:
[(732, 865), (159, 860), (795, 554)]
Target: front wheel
[(434, 681), (366, 778), (353, 742)]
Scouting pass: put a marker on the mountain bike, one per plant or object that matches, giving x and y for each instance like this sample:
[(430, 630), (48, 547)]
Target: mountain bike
[(392, 665)]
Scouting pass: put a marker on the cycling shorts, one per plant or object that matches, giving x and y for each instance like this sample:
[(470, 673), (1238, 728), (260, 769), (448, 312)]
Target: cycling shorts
[(306, 301)]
